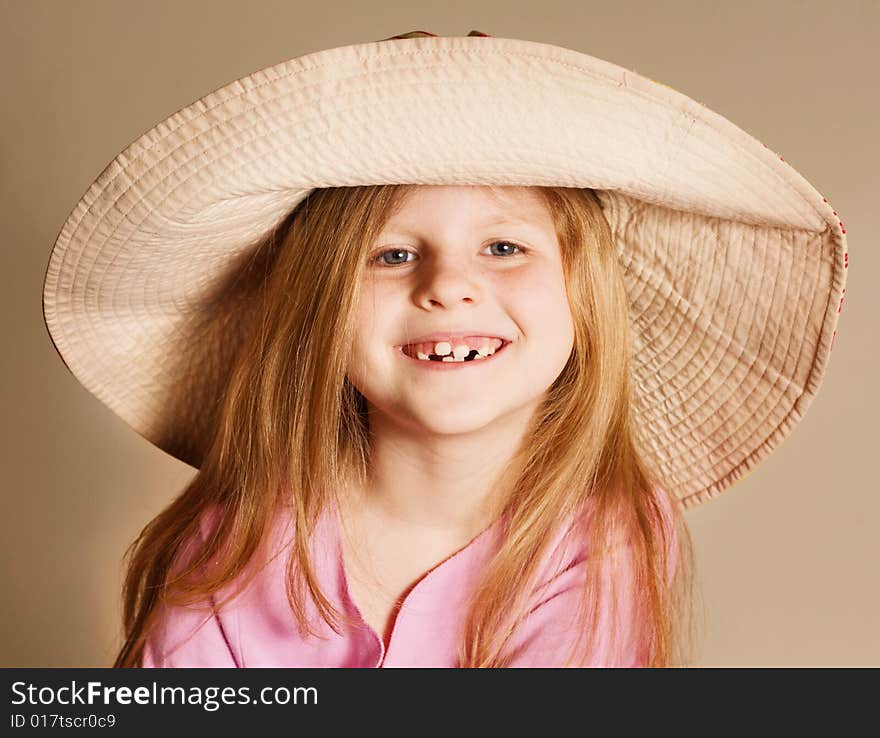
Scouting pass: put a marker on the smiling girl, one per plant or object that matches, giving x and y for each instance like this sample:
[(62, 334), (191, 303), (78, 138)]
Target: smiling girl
[(442, 496), (449, 380), (462, 329)]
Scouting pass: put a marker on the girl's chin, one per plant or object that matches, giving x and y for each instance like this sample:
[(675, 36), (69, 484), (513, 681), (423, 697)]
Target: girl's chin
[(451, 420)]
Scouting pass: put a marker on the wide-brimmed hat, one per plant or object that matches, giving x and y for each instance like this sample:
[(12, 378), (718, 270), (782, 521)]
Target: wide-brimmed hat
[(734, 264)]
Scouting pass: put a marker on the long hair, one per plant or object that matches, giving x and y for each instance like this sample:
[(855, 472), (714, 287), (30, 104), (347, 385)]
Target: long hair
[(292, 429)]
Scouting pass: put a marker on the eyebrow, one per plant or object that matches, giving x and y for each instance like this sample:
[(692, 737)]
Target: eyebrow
[(508, 219), (500, 220)]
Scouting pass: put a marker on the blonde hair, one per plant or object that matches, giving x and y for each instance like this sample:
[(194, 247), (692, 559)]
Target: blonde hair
[(292, 430)]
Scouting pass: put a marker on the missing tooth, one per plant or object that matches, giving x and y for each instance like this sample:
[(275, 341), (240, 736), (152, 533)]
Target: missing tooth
[(470, 357)]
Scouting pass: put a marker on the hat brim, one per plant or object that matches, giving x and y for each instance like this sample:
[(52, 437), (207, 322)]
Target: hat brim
[(734, 263)]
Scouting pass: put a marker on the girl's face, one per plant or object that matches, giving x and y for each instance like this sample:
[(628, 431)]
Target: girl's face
[(461, 260)]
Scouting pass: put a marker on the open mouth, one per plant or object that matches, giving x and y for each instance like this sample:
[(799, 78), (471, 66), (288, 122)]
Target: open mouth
[(450, 359)]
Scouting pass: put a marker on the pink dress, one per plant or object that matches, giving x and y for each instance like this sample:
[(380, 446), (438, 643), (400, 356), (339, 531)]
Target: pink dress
[(257, 629)]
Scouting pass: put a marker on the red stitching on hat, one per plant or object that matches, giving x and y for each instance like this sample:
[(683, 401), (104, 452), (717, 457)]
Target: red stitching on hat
[(846, 259), (840, 307)]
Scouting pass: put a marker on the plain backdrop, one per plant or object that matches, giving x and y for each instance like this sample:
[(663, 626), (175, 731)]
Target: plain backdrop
[(787, 560)]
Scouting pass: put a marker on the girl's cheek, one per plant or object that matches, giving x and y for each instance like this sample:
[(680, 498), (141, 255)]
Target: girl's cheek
[(534, 285), (531, 283)]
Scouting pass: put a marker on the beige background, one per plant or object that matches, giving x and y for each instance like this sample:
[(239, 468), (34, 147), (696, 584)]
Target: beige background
[(787, 560)]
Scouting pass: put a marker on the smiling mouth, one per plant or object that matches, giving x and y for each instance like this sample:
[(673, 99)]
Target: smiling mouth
[(473, 356)]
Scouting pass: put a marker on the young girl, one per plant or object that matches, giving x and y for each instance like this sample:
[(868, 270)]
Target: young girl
[(450, 374)]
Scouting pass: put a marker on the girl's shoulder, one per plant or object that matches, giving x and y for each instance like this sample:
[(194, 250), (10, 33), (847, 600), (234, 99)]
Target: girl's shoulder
[(552, 629), (194, 634), (572, 546)]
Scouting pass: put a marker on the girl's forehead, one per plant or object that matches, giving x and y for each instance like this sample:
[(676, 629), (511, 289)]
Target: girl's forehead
[(484, 204), (499, 194)]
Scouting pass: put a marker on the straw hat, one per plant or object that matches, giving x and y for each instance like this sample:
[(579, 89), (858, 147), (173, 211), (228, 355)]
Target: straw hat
[(734, 264)]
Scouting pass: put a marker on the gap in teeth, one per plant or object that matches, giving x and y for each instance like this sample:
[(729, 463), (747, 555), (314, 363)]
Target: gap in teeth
[(472, 355)]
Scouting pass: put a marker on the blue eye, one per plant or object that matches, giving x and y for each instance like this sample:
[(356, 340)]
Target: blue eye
[(507, 243), (396, 252), (401, 253)]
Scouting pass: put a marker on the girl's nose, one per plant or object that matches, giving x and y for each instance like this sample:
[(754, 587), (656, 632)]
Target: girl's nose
[(445, 283)]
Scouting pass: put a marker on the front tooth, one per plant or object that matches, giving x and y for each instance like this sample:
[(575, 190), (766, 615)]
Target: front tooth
[(442, 348), (461, 351), (423, 357)]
